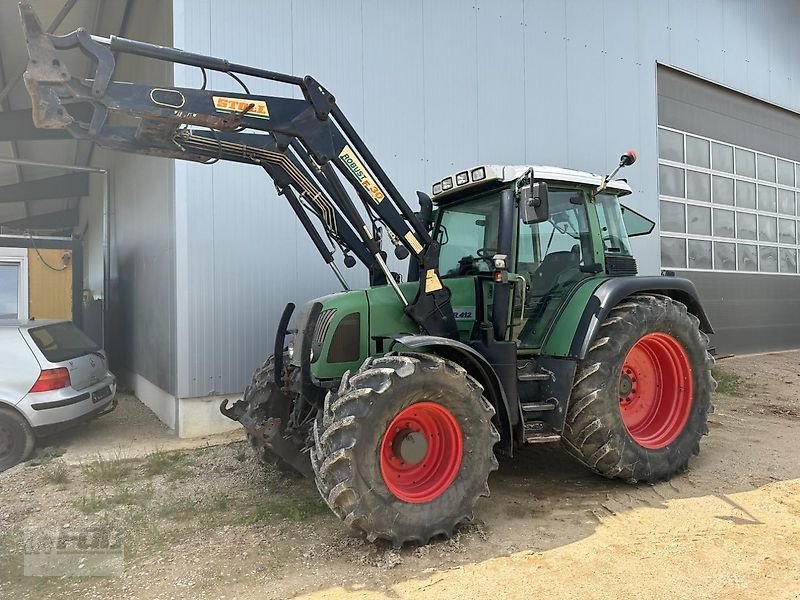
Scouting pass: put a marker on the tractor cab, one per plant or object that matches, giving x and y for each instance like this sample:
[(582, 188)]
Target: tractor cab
[(574, 234)]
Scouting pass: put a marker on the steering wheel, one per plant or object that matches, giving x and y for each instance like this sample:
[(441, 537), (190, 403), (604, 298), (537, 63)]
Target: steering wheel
[(486, 254)]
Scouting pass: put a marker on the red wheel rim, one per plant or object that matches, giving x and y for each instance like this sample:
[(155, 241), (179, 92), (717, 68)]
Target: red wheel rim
[(421, 452), (655, 390)]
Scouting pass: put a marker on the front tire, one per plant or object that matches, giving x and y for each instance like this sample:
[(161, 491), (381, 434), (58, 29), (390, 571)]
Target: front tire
[(641, 396), (16, 439), (404, 448)]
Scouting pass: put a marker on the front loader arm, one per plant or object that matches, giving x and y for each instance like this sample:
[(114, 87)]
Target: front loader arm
[(307, 146)]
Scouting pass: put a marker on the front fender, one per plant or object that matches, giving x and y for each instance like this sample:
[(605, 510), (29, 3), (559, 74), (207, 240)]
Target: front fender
[(478, 367)]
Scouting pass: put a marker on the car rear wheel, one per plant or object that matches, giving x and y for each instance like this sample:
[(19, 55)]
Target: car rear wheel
[(16, 439)]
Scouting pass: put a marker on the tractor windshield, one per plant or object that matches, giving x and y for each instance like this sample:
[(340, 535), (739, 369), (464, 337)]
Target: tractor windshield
[(468, 234)]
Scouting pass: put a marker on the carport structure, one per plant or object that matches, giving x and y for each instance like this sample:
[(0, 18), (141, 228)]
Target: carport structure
[(44, 177), (84, 233)]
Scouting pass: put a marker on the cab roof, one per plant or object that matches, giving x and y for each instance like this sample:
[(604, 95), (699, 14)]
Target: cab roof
[(486, 174)]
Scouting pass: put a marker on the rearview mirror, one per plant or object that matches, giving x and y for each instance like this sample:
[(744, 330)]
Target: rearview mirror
[(533, 204)]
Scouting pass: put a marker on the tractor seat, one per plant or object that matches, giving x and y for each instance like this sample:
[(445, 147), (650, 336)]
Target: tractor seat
[(555, 263)]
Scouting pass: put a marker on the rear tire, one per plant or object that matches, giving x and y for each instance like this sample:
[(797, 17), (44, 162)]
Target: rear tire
[(16, 439), (641, 396), (433, 412)]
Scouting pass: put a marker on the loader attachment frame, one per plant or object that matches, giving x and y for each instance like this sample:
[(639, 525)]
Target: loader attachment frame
[(306, 145)]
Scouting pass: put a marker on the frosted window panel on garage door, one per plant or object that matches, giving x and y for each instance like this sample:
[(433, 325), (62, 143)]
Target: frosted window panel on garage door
[(786, 202), (746, 226), (747, 257), (698, 220), (766, 167), (673, 217), (788, 260), (697, 152), (673, 252), (722, 157), (722, 190), (699, 254), (9, 291), (787, 231), (724, 223), (698, 186), (786, 173), (745, 194), (768, 259), (767, 229), (745, 163), (670, 181), (767, 198), (670, 145), (725, 256)]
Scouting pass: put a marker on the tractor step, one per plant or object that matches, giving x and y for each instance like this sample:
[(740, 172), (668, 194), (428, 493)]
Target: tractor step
[(542, 438), (533, 377), (538, 406), (539, 432), (529, 371)]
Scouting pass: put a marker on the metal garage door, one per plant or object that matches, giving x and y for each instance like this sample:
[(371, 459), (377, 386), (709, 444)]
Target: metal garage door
[(729, 189)]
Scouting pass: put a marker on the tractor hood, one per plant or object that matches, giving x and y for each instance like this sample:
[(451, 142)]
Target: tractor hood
[(338, 331), (334, 331)]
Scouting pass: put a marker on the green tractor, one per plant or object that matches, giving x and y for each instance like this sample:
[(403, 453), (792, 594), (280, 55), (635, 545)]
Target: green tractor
[(521, 319), (558, 340)]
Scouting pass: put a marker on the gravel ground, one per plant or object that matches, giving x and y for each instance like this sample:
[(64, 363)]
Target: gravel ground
[(213, 523), (131, 430)]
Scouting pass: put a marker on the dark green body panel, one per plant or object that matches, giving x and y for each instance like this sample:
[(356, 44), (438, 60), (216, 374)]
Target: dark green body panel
[(381, 314), (559, 338)]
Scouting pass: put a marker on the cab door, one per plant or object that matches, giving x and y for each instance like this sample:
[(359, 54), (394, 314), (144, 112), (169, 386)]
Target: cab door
[(553, 257)]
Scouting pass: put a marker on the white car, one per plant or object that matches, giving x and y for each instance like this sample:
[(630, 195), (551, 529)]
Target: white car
[(52, 375)]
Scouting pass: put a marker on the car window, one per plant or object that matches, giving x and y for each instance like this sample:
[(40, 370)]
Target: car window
[(62, 341)]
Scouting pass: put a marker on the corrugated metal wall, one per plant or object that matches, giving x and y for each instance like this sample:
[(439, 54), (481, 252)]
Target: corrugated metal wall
[(434, 86), (141, 329)]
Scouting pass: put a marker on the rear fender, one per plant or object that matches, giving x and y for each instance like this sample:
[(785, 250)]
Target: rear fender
[(612, 291), (479, 368)]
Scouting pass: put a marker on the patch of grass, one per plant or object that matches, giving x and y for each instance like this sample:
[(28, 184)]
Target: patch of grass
[(145, 538), (5, 543), (180, 509), (88, 504), (160, 462), (108, 470), (730, 384), (57, 474), (129, 497), (177, 474), (43, 456), (292, 505), (184, 509)]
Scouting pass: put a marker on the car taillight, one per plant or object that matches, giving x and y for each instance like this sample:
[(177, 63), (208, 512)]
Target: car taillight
[(51, 379)]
